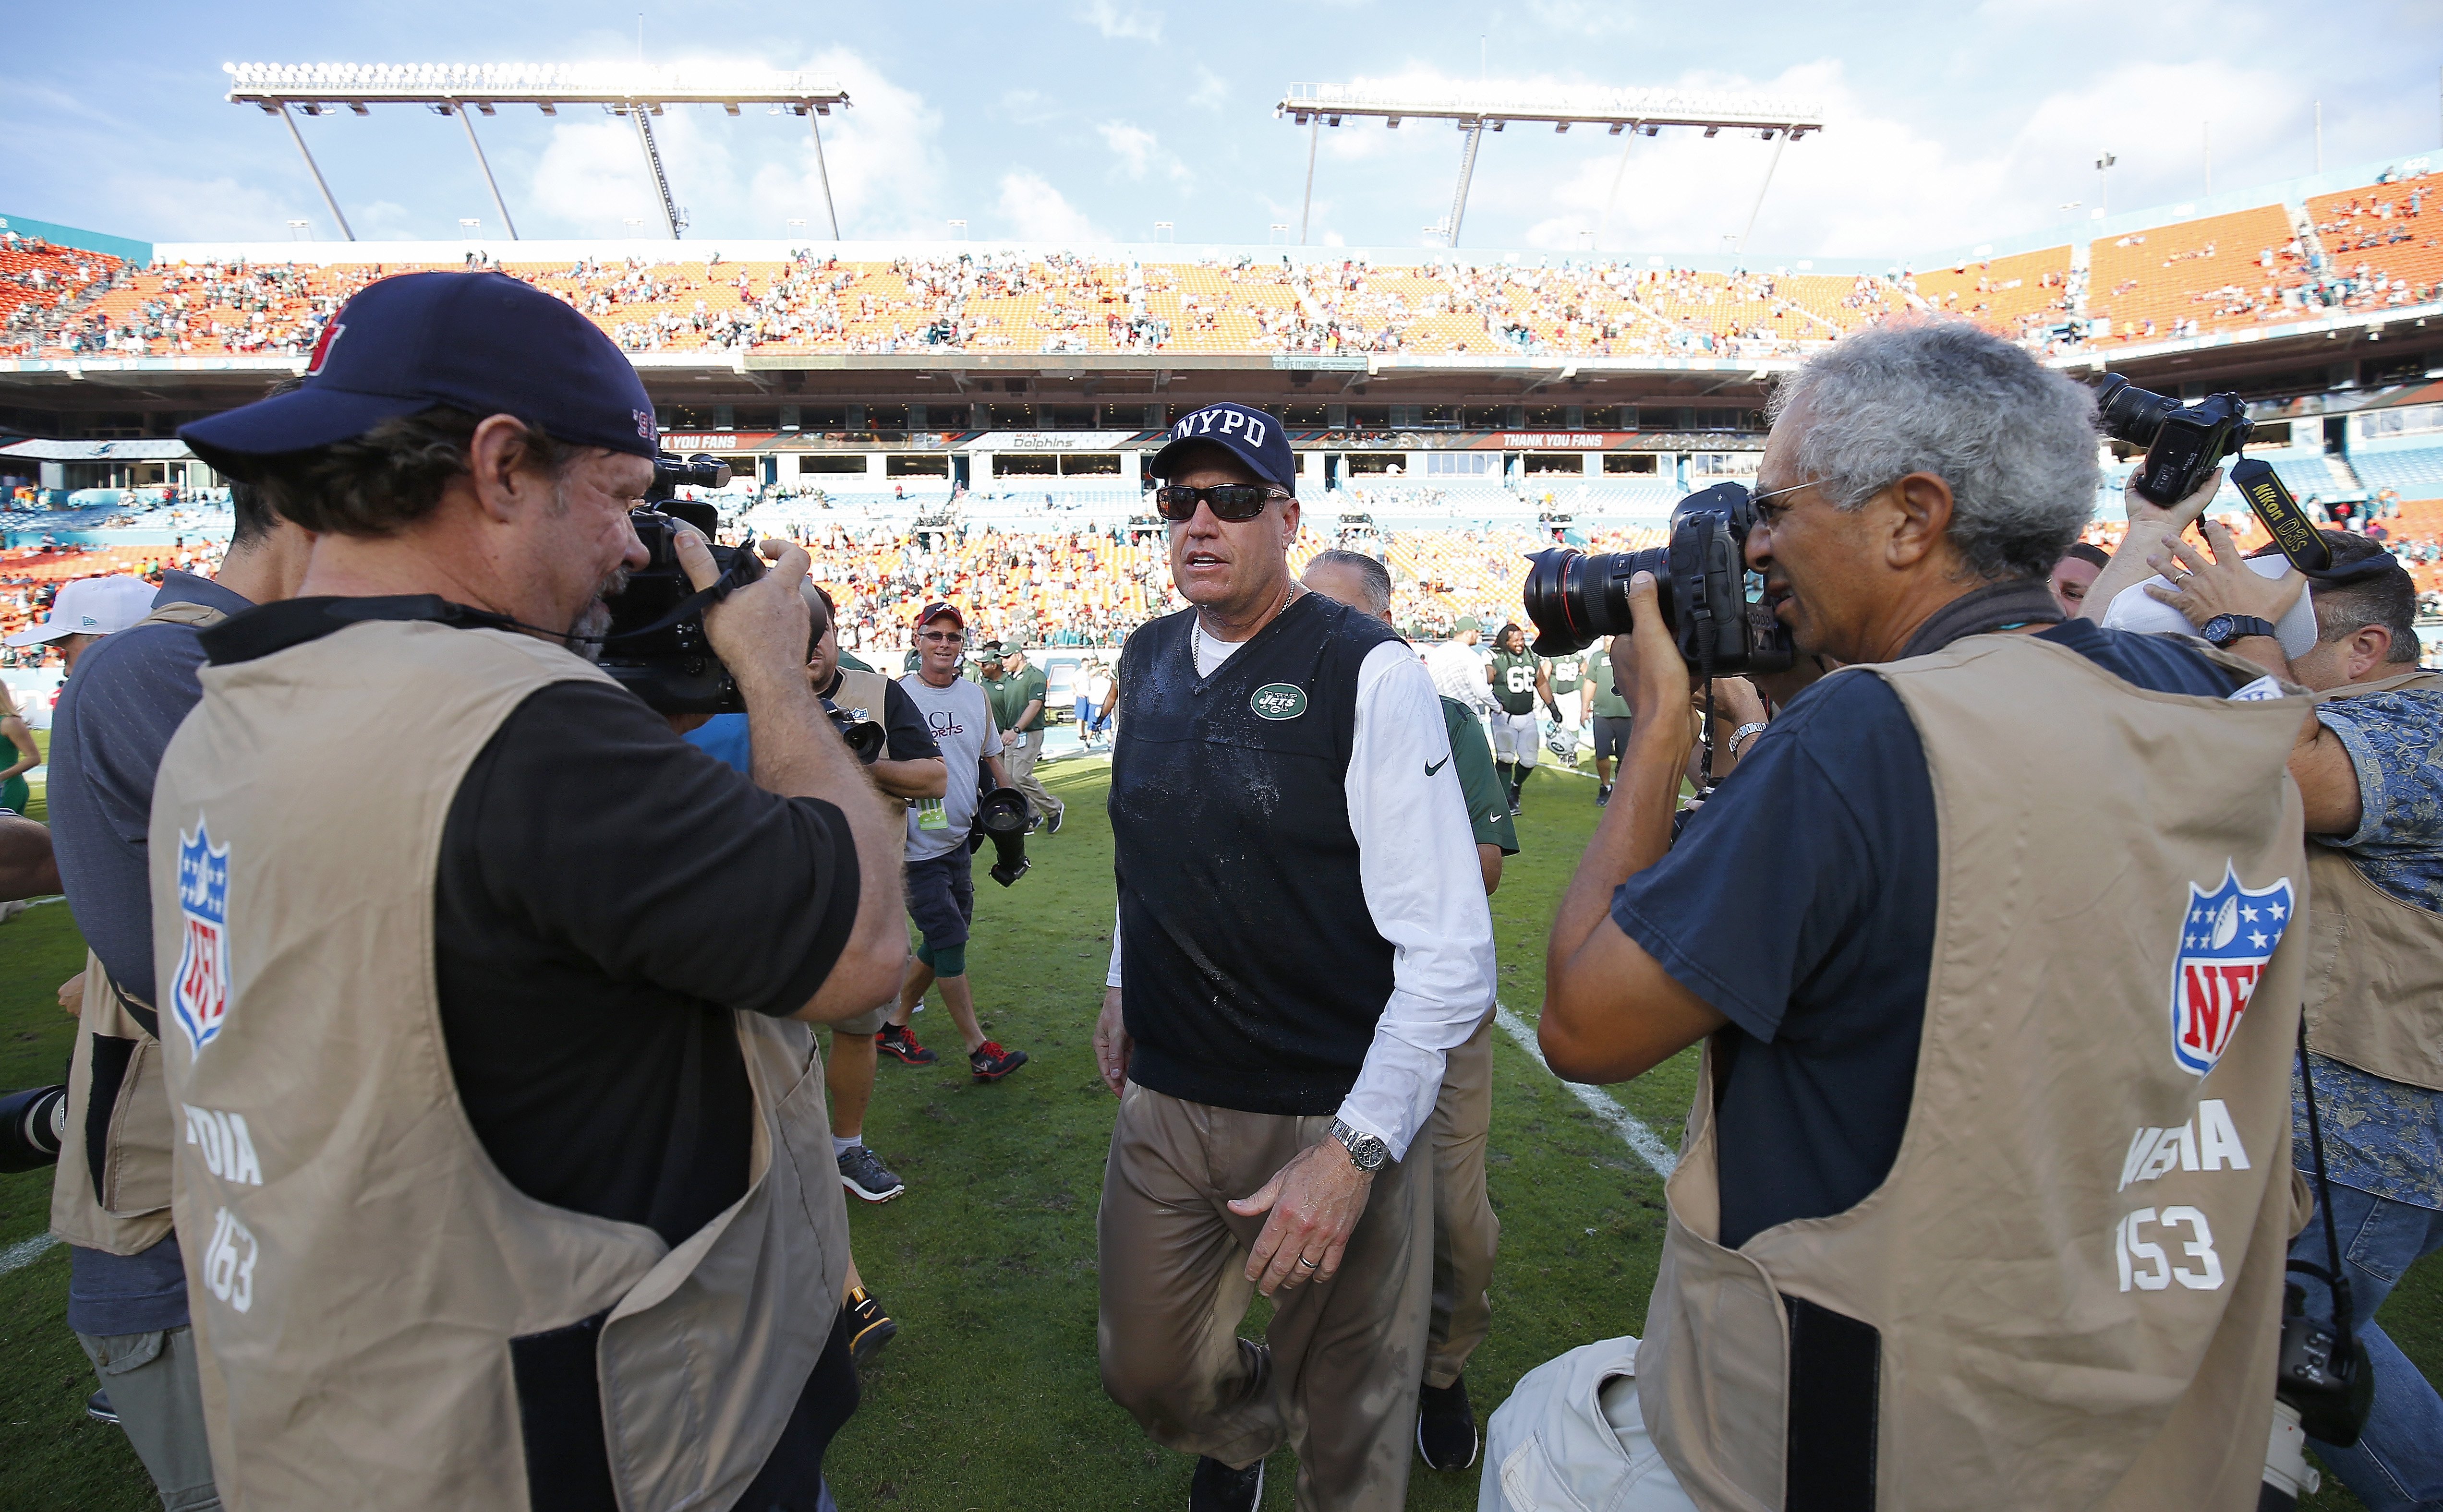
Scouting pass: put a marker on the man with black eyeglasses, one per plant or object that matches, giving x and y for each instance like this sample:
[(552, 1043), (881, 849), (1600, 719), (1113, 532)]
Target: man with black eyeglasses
[(1302, 941)]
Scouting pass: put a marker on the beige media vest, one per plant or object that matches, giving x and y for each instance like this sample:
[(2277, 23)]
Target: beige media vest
[(112, 1191), (359, 1268), (2374, 981), (2073, 1269)]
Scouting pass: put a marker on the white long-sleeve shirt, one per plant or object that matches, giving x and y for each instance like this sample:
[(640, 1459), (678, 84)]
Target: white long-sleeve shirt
[(1424, 886)]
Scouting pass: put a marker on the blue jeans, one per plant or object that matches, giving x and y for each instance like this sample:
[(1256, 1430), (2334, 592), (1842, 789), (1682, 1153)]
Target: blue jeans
[(2398, 1463)]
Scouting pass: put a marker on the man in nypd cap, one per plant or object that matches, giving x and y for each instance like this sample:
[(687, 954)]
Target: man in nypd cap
[(485, 995), (1303, 938)]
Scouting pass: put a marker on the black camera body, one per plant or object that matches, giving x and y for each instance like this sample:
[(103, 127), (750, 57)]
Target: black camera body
[(655, 646), (1710, 601), (2184, 443), (2326, 1378), (32, 1124)]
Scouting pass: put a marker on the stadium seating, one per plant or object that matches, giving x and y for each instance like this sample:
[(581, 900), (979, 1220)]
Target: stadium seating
[(2416, 474), (2215, 273), (2012, 294), (2374, 247), (2392, 231)]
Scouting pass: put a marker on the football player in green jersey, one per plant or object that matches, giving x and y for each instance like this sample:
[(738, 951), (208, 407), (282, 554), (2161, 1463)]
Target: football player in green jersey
[(1519, 685)]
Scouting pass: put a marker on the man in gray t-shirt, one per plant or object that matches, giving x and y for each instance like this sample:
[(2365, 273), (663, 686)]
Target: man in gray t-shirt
[(940, 877)]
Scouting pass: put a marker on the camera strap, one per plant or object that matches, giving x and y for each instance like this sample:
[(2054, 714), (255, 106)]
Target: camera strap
[(2344, 1325), (2002, 606)]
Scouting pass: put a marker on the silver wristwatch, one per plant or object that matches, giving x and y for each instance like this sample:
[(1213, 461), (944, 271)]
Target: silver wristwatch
[(1745, 732), (1365, 1151)]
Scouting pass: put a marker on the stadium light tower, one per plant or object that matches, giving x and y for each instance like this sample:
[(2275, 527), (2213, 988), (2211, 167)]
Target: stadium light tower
[(635, 90), (1484, 108)]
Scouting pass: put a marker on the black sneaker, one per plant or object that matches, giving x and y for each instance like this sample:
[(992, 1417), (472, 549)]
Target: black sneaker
[(1514, 811), (1446, 1437), (98, 1408), (990, 1063), (1058, 814), (868, 1177), (898, 1040), (1603, 797), (870, 1327), (1219, 1488)]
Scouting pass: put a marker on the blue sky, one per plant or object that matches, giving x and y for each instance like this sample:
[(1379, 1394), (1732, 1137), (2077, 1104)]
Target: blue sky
[(1093, 119)]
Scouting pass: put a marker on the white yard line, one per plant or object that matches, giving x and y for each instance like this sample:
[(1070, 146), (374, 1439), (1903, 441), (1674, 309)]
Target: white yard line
[(1647, 1144), (18, 1256)]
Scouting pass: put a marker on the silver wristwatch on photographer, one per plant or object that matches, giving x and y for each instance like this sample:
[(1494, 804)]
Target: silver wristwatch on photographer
[(1365, 1151)]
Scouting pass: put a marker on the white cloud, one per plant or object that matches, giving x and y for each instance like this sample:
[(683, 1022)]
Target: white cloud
[(1033, 210), (1587, 18), (1876, 183), (1140, 151), (888, 173), (1211, 89), (1118, 23), (1031, 107)]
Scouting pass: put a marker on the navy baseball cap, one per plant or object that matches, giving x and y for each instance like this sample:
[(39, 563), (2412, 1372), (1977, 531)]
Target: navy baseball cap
[(1251, 435), (481, 342)]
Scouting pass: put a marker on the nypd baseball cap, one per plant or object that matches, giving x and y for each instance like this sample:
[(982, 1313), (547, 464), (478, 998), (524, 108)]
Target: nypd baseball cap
[(1251, 435), (481, 342), (91, 606)]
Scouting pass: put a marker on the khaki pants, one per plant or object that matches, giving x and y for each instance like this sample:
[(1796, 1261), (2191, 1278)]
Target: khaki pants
[(1337, 1377), (1017, 756), (151, 1381), (1465, 1230)]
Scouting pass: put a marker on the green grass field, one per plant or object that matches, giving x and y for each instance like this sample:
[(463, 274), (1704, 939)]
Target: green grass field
[(989, 1398)]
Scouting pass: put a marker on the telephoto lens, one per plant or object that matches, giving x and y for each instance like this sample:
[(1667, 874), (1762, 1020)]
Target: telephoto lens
[(32, 1124), (1000, 816), (864, 738)]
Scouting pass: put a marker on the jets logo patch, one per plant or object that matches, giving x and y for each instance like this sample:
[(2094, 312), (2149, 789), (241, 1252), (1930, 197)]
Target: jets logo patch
[(1278, 700), (2226, 934), (199, 994)]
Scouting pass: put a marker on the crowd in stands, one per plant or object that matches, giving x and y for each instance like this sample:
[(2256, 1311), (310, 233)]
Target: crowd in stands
[(2365, 249), (38, 279)]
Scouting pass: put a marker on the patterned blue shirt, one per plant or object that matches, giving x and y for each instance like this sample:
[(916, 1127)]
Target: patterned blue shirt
[(2380, 1136)]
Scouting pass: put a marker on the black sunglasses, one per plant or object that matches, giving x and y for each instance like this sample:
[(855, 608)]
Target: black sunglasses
[(1231, 502)]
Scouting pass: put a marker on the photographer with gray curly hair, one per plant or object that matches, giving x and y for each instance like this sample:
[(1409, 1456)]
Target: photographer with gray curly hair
[(1909, 1253)]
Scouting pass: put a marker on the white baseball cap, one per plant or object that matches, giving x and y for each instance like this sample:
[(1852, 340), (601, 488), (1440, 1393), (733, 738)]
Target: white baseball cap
[(2134, 609), (91, 606)]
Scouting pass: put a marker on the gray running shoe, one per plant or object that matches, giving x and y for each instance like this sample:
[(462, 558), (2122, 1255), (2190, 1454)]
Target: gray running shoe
[(868, 1177)]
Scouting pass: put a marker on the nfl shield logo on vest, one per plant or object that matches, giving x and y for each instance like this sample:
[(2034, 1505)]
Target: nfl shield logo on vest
[(2226, 936), (199, 996)]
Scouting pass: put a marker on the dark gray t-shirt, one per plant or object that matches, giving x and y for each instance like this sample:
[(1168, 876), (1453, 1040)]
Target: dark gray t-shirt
[(115, 718)]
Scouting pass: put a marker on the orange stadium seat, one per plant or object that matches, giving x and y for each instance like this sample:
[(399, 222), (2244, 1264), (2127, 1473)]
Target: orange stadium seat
[(2218, 273), (2010, 296)]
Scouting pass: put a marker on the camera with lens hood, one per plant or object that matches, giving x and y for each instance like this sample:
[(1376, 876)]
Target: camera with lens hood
[(864, 738), (32, 1124), (1712, 604)]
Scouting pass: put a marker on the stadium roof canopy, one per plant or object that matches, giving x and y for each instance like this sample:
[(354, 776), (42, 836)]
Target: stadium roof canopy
[(638, 91), (1480, 110)]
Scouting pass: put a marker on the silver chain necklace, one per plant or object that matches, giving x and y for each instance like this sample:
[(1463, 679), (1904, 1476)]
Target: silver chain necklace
[(1196, 627)]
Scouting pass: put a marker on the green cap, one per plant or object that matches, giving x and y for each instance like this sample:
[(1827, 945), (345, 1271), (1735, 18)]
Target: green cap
[(1464, 623)]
